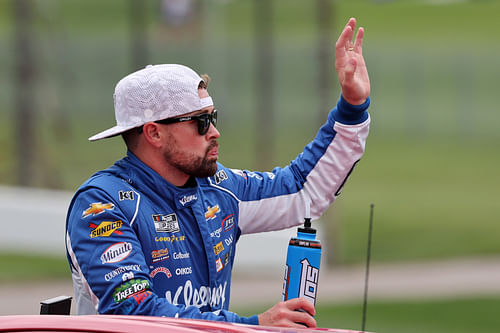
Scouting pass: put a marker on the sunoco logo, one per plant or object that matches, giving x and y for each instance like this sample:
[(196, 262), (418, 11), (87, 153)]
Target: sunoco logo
[(116, 252), (105, 229)]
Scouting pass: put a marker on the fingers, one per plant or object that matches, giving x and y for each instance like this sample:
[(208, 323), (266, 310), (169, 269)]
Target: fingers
[(296, 312), (358, 44), (345, 40)]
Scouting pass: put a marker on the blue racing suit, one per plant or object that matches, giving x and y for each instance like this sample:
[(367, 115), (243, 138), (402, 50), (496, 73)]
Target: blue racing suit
[(138, 245)]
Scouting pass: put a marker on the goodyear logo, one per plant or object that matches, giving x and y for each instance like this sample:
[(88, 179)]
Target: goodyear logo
[(105, 229), (97, 208), (218, 248), (211, 212)]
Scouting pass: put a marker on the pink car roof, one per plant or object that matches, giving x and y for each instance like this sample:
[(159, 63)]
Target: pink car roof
[(143, 324)]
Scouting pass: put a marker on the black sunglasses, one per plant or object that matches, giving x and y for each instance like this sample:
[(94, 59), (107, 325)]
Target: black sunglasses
[(204, 121)]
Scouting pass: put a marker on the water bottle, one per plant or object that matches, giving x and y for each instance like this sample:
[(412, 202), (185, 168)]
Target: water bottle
[(302, 264)]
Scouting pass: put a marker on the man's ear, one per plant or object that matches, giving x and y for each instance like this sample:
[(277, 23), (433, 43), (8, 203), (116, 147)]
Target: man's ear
[(152, 134)]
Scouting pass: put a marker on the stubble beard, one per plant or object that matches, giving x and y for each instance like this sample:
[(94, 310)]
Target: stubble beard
[(194, 166)]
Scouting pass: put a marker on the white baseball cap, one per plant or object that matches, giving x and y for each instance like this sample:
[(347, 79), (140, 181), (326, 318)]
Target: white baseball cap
[(154, 93)]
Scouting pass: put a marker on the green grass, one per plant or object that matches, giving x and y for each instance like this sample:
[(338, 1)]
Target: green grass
[(440, 316), (26, 268)]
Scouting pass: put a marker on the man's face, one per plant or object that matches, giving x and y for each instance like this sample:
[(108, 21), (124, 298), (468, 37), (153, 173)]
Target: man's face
[(188, 151)]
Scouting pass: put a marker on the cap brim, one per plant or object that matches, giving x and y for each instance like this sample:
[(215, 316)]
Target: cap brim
[(113, 131)]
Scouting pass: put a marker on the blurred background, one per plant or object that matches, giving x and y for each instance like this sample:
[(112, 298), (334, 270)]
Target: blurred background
[(430, 168)]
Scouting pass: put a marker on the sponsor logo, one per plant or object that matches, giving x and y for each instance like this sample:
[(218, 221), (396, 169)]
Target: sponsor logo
[(214, 297), (126, 195), (140, 297), (308, 281), (166, 223), (127, 276), (116, 252), (270, 175), (97, 208), (218, 248), (239, 173), (183, 271), (170, 239), (120, 270), (163, 270), (159, 255), (226, 259), (187, 199), (228, 223), (105, 229), (180, 255), (130, 288), (211, 212), (255, 175), (218, 264), (216, 233), (220, 176), (229, 240)]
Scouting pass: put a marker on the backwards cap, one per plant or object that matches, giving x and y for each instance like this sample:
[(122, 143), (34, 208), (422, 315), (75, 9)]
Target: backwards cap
[(154, 93)]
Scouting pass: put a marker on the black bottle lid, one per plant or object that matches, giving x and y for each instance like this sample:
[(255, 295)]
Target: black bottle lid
[(307, 227)]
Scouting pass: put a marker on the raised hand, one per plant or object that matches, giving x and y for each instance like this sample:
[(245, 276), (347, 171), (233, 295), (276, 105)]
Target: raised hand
[(350, 65)]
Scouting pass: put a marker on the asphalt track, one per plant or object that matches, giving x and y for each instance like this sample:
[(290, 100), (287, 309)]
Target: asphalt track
[(459, 278)]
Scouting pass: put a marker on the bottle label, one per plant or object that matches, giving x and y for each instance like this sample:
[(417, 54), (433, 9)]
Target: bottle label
[(301, 281), (308, 281)]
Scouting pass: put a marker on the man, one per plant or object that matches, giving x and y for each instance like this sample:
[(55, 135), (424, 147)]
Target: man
[(155, 233)]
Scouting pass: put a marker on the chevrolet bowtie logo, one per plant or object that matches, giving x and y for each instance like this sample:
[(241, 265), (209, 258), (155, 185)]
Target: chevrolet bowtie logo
[(211, 212), (97, 208)]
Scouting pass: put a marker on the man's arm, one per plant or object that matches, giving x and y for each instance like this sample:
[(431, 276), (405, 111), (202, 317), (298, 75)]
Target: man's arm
[(355, 83)]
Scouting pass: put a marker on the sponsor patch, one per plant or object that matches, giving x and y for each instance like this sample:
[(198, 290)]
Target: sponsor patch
[(228, 223), (120, 270), (229, 240), (163, 270), (126, 195), (159, 255), (218, 264), (130, 288), (183, 271), (105, 229), (180, 255), (97, 208), (239, 173), (116, 252), (218, 248), (166, 223), (211, 212), (187, 199), (171, 239), (204, 295), (220, 176), (127, 276), (216, 233)]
